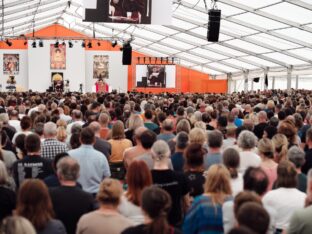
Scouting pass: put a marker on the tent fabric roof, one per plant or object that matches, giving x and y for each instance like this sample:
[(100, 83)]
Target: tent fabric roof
[(255, 35)]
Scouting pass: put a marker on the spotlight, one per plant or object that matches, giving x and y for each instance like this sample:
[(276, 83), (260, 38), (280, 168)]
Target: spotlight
[(83, 44), (34, 44), (90, 45), (8, 43), (25, 42), (40, 43), (70, 44), (99, 43), (56, 45), (114, 43), (64, 44)]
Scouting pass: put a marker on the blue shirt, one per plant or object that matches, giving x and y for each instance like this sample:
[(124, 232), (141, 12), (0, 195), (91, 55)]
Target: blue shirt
[(238, 122), (94, 167), (177, 160), (165, 136), (211, 159)]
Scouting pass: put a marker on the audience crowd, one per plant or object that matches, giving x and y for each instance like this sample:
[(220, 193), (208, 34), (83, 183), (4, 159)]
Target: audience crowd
[(123, 163)]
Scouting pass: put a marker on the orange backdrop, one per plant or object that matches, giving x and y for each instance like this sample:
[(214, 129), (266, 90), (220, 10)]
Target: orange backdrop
[(187, 80)]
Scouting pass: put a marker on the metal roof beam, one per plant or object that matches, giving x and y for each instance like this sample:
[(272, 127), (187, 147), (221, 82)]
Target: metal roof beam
[(299, 3), (266, 15)]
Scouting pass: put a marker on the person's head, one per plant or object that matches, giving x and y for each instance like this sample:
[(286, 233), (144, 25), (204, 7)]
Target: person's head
[(76, 115), (135, 121), (288, 128), (57, 158), (138, 177), (297, 156), (215, 139), (266, 148), (256, 180), (286, 175), (309, 137), (38, 129), (160, 151), (280, 143), (231, 160), (194, 157), (25, 123), (61, 134), (4, 176), (104, 119), (247, 140), (17, 225), (168, 125), (198, 136), (118, 130), (218, 183), (262, 117), (269, 132), (32, 143), (49, 130), (20, 144), (254, 216), (182, 140), (109, 193), (137, 134), (74, 141), (68, 169), (243, 197), (148, 114), (95, 127), (183, 126), (147, 139), (156, 204), (87, 136), (34, 203), (241, 230)]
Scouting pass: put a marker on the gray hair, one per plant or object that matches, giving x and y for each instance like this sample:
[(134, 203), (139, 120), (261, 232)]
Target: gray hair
[(76, 128), (17, 224), (4, 117), (296, 156), (215, 139), (247, 140), (160, 150), (50, 129), (95, 126), (4, 177), (198, 116), (68, 168)]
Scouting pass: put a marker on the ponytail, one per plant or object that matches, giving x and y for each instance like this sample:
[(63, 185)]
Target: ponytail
[(159, 225), (233, 172)]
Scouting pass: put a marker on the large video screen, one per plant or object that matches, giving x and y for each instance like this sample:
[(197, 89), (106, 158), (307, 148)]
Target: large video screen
[(128, 11), (155, 76)]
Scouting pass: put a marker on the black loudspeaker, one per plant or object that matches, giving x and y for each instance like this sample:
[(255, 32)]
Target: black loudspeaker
[(126, 54), (214, 25)]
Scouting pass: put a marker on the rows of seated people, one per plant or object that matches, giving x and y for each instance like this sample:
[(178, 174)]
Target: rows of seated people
[(156, 164)]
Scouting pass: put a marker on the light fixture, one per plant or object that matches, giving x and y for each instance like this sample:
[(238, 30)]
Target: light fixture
[(64, 44), (83, 44), (40, 43), (89, 45), (25, 42), (114, 43), (34, 44), (70, 44), (56, 45), (9, 43), (99, 43)]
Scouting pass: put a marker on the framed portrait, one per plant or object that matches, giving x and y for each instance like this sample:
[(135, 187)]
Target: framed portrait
[(58, 57), (10, 64), (100, 67)]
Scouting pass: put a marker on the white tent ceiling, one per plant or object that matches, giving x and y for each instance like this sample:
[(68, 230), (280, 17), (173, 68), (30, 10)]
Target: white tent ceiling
[(255, 35)]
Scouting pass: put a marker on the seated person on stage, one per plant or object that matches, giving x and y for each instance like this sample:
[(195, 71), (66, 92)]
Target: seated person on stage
[(156, 77)]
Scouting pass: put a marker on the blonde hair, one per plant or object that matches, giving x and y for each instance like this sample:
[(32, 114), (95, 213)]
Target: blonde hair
[(61, 123), (110, 192), (17, 224), (280, 147), (266, 148), (198, 136), (217, 183), (61, 134), (200, 124), (135, 121)]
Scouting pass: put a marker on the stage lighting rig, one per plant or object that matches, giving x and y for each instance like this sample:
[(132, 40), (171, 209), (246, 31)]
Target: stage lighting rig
[(40, 43)]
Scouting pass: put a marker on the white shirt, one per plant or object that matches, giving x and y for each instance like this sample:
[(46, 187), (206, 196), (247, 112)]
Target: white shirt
[(69, 126), (237, 184), (19, 133), (285, 201), (16, 124), (131, 211), (248, 159)]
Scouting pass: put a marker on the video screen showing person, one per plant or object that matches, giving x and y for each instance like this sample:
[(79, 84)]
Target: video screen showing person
[(156, 76)]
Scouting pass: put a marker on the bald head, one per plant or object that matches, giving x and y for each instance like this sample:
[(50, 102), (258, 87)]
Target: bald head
[(138, 132), (68, 169), (95, 127)]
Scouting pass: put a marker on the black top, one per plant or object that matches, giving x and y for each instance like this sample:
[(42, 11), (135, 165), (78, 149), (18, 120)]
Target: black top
[(196, 182), (259, 129), (103, 146), (141, 229), (129, 135), (34, 167), (69, 204), (7, 202), (308, 162), (175, 184)]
